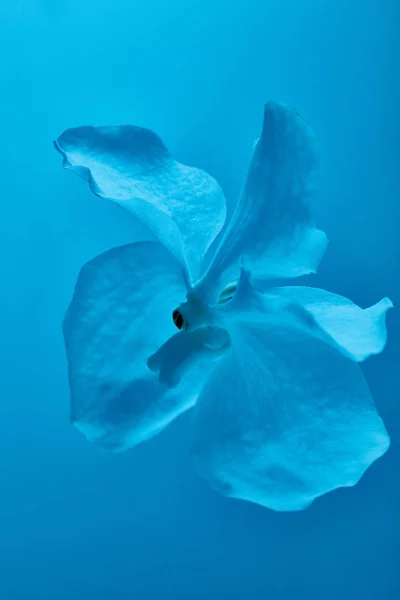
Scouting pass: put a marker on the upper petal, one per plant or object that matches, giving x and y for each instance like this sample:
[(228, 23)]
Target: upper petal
[(183, 206), (273, 224), (120, 314), (285, 418)]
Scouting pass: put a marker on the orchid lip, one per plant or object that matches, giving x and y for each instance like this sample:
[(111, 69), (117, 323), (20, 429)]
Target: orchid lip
[(185, 349)]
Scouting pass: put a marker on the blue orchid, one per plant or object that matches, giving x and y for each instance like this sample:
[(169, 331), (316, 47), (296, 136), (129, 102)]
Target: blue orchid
[(281, 411)]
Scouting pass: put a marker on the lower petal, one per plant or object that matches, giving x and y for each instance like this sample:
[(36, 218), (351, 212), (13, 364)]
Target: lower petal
[(285, 419)]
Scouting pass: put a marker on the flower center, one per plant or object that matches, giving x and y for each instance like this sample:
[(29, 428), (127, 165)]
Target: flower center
[(196, 313), (201, 339)]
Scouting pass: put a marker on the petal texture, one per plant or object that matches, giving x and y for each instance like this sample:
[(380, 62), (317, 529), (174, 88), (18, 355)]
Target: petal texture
[(285, 419), (183, 206), (273, 223), (121, 313)]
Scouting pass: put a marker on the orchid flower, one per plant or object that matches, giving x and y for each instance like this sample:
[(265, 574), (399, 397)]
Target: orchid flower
[(281, 411)]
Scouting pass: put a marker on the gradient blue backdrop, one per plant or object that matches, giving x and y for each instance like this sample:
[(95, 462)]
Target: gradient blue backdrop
[(75, 522)]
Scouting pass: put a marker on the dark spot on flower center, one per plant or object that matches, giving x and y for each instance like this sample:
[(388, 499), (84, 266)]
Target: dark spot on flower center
[(178, 319)]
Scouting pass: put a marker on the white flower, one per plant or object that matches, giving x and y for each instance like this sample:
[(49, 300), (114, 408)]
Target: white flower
[(282, 413)]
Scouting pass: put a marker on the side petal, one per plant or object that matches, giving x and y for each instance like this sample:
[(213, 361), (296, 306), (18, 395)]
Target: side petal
[(120, 314), (285, 419), (357, 333), (183, 206), (273, 224)]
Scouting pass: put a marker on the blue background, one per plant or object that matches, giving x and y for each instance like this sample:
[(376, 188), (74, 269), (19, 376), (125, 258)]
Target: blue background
[(76, 522)]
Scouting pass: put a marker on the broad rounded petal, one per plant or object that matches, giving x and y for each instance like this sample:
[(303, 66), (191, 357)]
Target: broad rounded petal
[(273, 224), (120, 314), (285, 419), (183, 206), (356, 332)]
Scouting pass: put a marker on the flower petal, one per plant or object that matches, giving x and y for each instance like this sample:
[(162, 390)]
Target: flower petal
[(357, 333), (184, 207), (121, 313), (273, 224), (285, 419)]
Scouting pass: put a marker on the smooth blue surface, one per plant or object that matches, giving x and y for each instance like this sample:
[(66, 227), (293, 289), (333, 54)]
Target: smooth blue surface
[(77, 522)]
